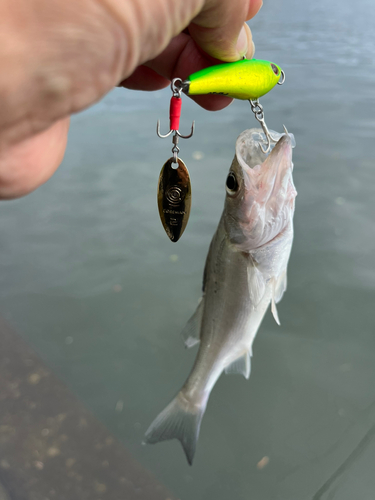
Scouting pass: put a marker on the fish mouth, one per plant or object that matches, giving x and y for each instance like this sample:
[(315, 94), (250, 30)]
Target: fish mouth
[(264, 174), (280, 157), (278, 167), (249, 153), (265, 202), (248, 149), (283, 145)]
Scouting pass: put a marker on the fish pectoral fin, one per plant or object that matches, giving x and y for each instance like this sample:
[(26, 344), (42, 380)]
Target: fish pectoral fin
[(192, 331), (257, 284), (280, 286), (273, 302), (241, 366)]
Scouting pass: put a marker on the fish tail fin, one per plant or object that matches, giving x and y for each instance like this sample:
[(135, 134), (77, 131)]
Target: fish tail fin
[(181, 420)]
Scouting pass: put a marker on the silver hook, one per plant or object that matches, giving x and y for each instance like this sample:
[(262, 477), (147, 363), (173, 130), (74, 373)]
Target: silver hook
[(257, 109), (158, 131), (187, 136)]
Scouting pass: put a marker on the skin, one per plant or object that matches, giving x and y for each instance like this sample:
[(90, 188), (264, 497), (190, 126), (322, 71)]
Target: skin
[(57, 57)]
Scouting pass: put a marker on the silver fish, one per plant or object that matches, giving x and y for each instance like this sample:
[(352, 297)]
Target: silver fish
[(245, 272)]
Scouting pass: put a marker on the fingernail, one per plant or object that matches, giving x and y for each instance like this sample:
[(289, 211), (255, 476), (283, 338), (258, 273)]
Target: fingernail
[(241, 45)]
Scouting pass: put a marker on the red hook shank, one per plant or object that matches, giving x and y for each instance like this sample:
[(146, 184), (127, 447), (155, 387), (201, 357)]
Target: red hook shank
[(175, 113)]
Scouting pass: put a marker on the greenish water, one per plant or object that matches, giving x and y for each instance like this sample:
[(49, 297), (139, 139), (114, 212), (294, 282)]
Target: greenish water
[(89, 278)]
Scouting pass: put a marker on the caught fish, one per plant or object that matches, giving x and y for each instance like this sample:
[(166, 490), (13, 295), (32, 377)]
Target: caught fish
[(245, 79), (245, 272)]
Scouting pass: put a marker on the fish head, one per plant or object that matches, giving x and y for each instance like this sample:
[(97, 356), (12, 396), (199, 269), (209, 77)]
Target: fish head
[(260, 192)]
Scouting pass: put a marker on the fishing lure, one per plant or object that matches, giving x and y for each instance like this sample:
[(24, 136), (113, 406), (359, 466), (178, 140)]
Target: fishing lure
[(245, 80), (248, 79), (174, 188)]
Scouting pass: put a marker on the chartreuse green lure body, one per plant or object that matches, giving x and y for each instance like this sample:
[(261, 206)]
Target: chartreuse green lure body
[(247, 79)]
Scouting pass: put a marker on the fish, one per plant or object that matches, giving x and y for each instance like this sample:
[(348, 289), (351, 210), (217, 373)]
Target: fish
[(245, 272), (245, 79)]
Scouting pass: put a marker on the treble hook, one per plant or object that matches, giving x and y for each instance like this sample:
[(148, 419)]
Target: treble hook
[(268, 136), (187, 136), (257, 109), (177, 132), (175, 112), (174, 118), (158, 131)]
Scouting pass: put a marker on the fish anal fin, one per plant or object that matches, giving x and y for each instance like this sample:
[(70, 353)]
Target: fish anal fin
[(241, 365), (191, 332), (257, 284)]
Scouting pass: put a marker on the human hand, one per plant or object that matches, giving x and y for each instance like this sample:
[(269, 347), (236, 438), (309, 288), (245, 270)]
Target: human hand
[(59, 56)]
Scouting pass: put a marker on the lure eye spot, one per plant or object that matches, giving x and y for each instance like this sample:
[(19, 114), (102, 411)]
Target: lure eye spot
[(231, 184), (275, 69)]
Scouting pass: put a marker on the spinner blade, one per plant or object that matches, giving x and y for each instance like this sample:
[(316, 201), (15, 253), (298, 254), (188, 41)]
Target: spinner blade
[(174, 198)]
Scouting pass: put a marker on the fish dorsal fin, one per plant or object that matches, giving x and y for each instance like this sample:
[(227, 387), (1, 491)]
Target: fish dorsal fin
[(280, 286), (241, 365), (257, 283), (192, 331)]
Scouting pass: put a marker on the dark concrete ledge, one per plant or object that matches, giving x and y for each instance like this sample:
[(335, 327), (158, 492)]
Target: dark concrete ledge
[(51, 447)]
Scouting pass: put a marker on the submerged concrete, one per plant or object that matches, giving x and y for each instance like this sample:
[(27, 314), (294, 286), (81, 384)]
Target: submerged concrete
[(51, 447)]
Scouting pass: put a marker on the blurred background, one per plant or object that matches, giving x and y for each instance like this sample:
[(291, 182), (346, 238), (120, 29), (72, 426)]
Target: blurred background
[(91, 282)]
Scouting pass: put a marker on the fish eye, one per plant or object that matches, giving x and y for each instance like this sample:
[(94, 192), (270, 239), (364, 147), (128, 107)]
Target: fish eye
[(232, 184), (275, 69)]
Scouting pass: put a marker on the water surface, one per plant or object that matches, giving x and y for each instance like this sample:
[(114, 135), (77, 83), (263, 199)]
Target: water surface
[(89, 278)]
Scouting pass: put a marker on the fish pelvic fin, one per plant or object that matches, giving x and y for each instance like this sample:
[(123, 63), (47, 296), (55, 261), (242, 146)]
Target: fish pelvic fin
[(241, 365), (275, 314), (280, 286), (181, 420), (278, 289), (257, 284), (274, 311), (192, 331)]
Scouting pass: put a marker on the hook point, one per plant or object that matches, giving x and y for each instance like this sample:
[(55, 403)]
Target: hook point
[(187, 136)]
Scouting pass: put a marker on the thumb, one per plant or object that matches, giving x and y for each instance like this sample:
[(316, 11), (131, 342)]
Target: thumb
[(220, 29)]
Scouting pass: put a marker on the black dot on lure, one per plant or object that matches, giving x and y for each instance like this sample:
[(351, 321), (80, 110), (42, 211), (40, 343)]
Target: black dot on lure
[(275, 69)]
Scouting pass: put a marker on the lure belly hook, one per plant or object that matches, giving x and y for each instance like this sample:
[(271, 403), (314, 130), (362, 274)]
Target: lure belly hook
[(257, 109)]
